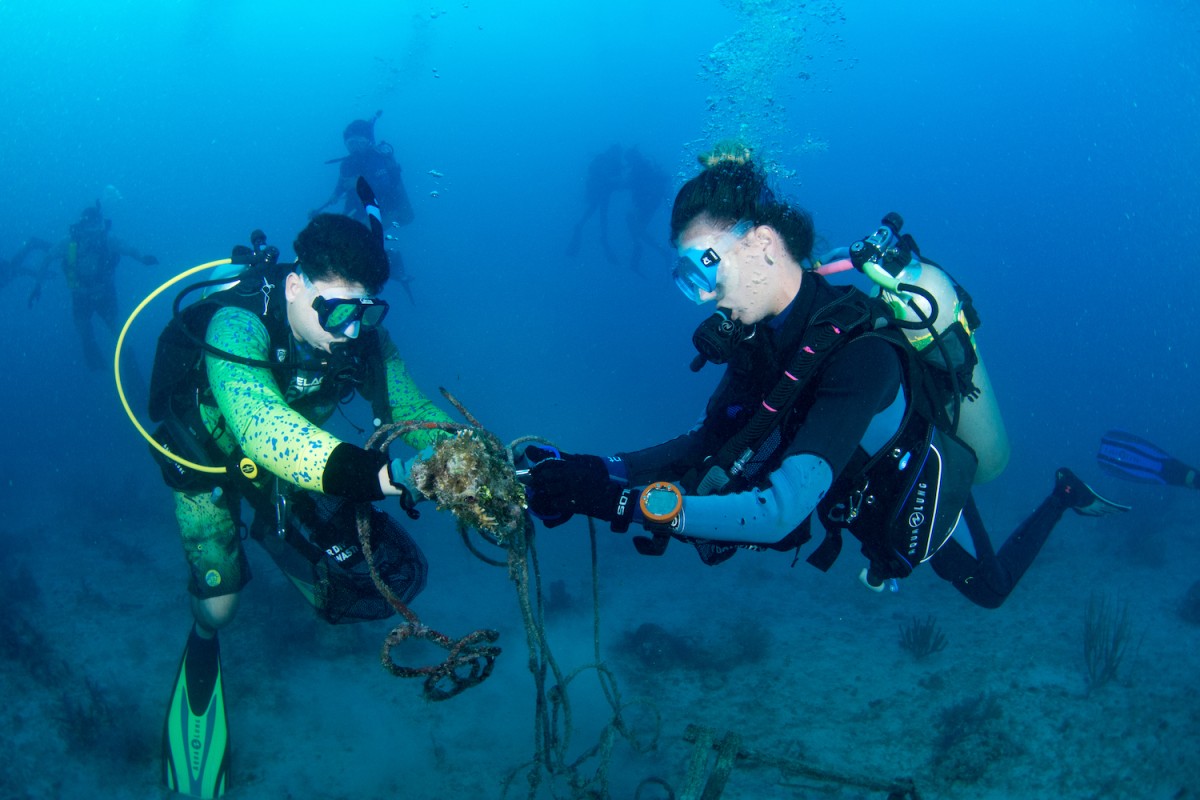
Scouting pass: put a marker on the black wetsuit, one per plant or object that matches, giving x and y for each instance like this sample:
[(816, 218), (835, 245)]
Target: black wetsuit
[(850, 408)]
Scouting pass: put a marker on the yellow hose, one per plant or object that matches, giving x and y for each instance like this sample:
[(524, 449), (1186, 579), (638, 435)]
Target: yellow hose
[(117, 367)]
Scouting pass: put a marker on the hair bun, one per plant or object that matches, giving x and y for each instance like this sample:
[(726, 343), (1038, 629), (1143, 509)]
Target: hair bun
[(727, 151)]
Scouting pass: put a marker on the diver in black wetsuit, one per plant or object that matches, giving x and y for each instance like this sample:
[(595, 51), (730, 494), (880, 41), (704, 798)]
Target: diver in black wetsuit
[(376, 163), (813, 390)]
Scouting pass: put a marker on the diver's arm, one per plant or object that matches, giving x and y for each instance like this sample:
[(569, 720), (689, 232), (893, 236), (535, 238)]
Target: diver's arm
[(343, 188), (129, 251), (761, 516), (271, 433), (668, 461), (333, 198)]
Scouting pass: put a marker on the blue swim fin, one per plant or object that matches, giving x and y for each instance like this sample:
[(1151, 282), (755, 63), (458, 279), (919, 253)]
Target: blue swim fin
[(1135, 459), (195, 737)]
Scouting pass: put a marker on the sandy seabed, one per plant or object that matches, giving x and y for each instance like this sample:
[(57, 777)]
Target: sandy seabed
[(805, 668)]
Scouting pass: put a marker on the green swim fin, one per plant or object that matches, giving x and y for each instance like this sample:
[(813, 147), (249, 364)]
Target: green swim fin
[(195, 738)]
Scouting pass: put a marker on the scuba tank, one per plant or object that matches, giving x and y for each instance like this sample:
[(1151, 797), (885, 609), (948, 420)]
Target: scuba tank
[(939, 321)]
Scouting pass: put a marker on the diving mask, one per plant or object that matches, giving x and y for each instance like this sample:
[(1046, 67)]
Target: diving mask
[(337, 314), (696, 270)]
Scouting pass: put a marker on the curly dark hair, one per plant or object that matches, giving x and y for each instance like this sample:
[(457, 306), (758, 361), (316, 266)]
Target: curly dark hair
[(333, 247), (732, 190)]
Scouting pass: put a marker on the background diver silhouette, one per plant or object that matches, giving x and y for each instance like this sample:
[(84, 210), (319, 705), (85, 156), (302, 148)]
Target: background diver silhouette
[(649, 190), (375, 162), (89, 256), (604, 176)]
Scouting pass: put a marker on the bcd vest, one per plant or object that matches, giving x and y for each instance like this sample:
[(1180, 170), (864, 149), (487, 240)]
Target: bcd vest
[(179, 382)]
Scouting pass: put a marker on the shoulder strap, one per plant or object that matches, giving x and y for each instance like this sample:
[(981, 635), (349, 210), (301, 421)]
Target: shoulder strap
[(830, 328)]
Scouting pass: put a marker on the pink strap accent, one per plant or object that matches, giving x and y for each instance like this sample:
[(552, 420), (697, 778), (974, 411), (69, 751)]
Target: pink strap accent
[(841, 265), (808, 350), (768, 408), (790, 375), (836, 329)]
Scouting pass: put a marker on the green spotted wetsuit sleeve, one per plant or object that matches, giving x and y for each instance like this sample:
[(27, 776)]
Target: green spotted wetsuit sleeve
[(273, 435), (280, 439)]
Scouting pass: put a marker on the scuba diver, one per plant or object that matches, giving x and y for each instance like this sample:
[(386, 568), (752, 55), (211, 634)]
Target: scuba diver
[(244, 377), (89, 257), (828, 407), (377, 164), (649, 187), (604, 177)]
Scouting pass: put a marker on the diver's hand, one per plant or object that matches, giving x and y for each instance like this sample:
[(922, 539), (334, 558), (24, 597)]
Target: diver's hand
[(559, 487), (408, 503), (149, 261)]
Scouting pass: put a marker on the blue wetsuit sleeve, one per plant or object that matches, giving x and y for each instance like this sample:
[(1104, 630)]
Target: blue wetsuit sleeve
[(761, 516)]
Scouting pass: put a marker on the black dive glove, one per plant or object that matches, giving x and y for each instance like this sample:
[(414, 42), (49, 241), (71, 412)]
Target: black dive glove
[(560, 485)]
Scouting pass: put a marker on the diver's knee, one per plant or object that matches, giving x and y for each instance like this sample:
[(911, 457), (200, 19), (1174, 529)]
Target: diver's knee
[(215, 613)]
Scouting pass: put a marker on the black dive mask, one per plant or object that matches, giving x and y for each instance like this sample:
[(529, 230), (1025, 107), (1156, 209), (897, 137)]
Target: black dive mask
[(716, 338)]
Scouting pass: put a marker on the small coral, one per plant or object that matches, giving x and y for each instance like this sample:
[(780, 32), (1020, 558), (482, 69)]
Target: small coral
[(922, 637)]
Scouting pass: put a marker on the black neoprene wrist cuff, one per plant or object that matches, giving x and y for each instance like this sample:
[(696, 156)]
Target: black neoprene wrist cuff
[(626, 503), (353, 473)]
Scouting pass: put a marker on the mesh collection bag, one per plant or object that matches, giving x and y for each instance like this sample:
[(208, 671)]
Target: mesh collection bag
[(320, 553)]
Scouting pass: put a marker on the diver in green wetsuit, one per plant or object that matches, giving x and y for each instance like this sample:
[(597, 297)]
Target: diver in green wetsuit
[(282, 349)]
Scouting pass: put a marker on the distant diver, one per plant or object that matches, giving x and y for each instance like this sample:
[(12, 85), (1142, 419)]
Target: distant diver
[(605, 176), (89, 258), (649, 192), (376, 162)]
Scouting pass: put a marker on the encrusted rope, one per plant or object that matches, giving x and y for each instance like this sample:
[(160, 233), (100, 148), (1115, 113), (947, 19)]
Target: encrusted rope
[(470, 660)]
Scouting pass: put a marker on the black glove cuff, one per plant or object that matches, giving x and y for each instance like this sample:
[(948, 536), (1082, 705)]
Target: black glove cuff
[(353, 473)]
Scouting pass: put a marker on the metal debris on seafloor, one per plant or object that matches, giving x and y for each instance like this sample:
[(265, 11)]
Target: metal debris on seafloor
[(472, 476)]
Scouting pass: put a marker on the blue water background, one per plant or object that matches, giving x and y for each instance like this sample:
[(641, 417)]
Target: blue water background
[(1046, 154)]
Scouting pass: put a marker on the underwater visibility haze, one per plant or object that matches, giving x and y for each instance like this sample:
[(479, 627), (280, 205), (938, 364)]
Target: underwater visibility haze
[(1045, 154)]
